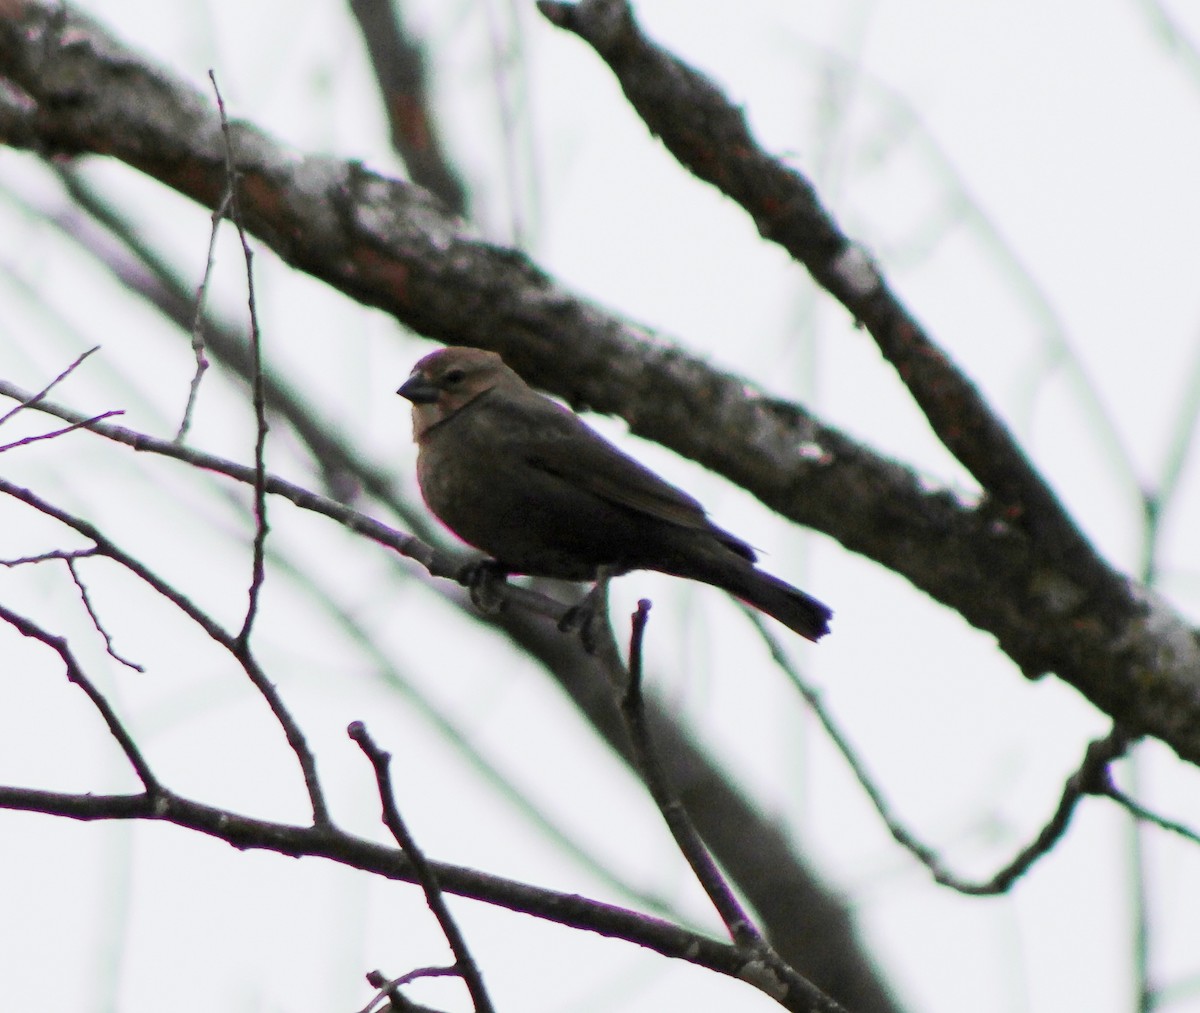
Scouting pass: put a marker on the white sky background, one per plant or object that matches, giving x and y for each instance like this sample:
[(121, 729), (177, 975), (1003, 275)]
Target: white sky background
[(1026, 176)]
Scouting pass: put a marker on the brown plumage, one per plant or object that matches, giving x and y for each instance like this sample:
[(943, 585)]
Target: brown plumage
[(525, 480)]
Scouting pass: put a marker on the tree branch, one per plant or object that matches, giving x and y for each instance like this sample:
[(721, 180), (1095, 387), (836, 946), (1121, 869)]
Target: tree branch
[(243, 832), (389, 245), (399, 64), (75, 673), (464, 963)]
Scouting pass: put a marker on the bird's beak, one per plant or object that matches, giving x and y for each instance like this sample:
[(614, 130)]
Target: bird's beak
[(419, 390)]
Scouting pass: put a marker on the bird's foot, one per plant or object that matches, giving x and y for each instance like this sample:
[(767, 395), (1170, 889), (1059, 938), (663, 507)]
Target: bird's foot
[(589, 617), (583, 619), (483, 580)]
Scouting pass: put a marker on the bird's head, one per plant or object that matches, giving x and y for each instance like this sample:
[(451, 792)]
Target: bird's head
[(448, 380)]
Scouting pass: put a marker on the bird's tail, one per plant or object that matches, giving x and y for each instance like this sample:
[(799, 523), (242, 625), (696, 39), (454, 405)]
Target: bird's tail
[(796, 610)]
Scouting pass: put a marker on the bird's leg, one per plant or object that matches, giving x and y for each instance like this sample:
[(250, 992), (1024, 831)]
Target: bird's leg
[(483, 579), (586, 617)]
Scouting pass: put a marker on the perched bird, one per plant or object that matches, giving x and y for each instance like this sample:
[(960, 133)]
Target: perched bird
[(525, 480)]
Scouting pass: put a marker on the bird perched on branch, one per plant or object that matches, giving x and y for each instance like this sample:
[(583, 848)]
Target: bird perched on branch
[(525, 480)]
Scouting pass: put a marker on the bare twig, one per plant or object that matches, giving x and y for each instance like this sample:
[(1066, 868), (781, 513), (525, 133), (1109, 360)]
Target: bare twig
[(1088, 779), (468, 750), (27, 627), (85, 424), (1140, 812), (426, 875), (197, 328), (764, 968), (258, 566), (156, 282), (91, 611), (44, 557), (737, 921), (756, 852), (389, 989), (32, 399)]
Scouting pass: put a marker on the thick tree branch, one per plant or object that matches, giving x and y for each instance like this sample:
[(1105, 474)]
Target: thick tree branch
[(72, 88), (709, 135), (398, 60)]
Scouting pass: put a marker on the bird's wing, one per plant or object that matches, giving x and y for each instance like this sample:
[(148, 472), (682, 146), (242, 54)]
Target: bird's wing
[(606, 472), (566, 447), (541, 434)]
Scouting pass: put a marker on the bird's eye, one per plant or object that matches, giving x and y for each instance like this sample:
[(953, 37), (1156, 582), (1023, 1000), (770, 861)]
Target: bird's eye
[(454, 376)]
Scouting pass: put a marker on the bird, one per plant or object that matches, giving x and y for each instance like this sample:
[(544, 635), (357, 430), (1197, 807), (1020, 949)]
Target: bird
[(526, 481)]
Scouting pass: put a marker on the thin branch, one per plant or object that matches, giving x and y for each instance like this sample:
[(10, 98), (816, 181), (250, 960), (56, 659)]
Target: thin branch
[(1141, 926), (426, 875), (1140, 812), (389, 989), (153, 279), (570, 910), (32, 399), (737, 921), (45, 557), (393, 678), (756, 851), (1089, 779), (258, 567), (92, 614), (764, 967), (27, 627), (198, 316), (85, 424)]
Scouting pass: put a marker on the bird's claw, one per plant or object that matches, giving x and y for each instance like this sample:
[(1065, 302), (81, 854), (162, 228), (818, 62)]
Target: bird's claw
[(582, 619), (588, 618), (483, 580)]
